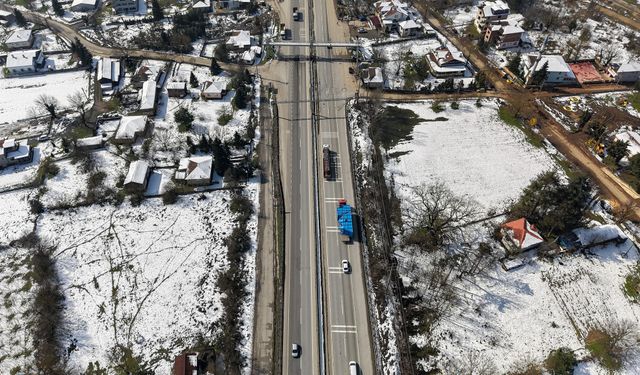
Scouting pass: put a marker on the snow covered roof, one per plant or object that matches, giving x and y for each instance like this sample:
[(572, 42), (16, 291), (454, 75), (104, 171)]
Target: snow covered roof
[(556, 64), (202, 4), (373, 75), (444, 56), (176, 86), (602, 233), (195, 168), (4, 13), (18, 59), (524, 234), (19, 36), (216, 87), (109, 69), (240, 39), (511, 29), (629, 67), (7, 145), (148, 92), (130, 126), (492, 8), (409, 24), (90, 141), (76, 3), (137, 172)]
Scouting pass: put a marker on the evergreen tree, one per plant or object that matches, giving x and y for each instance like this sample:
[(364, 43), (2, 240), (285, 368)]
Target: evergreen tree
[(57, 8), (221, 157), (184, 118), (215, 67), (240, 99), (514, 65), (20, 20), (617, 150), (81, 52), (540, 76), (193, 80), (156, 10)]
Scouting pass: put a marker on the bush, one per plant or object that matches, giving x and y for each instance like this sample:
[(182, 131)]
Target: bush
[(170, 196), (613, 343), (561, 362), (632, 284), (437, 107), (36, 206), (184, 118), (455, 105), (95, 180), (225, 114), (136, 198)]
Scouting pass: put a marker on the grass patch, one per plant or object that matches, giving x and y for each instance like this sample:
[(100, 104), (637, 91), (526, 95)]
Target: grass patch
[(81, 132), (599, 344), (509, 118), (634, 99), (631, 285), (393, 126)]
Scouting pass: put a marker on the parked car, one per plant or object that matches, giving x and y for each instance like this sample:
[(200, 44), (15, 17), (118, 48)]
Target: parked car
[(351, 70)]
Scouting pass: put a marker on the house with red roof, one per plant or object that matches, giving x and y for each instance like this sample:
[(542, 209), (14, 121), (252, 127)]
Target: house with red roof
[(520, 235)]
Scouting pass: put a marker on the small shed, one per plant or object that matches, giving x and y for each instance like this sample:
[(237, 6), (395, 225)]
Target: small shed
[(520, 235), (186, 364), (586, 238), (90, 143), (136, 179), (176, 89), (214, 90)]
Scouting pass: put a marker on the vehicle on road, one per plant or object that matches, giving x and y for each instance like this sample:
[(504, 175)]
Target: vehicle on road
[(295, 350), (326, 161), (351, 70), (353, 368), (346, 266), (345, 220), (297, 15), (362, 30)]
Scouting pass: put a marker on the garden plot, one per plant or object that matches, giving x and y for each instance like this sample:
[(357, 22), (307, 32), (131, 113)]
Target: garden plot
[(469, 149), (397, 55), (14, 215), (524, 314), (144, 277), (586, 102), (66, 186), (20, 93)]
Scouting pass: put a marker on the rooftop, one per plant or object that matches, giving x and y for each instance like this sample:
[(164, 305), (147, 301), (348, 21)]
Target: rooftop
[(22, 58), (148, 99), (19, 36), (137, 172), (130, 125)]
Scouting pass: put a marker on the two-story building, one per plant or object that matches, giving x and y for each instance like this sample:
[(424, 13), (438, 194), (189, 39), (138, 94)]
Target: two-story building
[(490, 12), (503, 35), (24, 62), (445, 62), (558, 71), (19, 39), (124, 6)]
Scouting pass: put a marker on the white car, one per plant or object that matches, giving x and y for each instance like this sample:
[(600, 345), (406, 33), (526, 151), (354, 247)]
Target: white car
[(295, 350), (346, 267)]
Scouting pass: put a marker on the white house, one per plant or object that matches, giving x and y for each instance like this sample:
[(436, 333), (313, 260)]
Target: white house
[(24, 62), (409, 28), (391, 13), (558, 71), (109, 73), (240, 40), (628, 72), (195, 170), (83, 5), (491, 11), (445, 62), (19, 39), (130, 128), (148, 98), (11, 153), (136, 179)]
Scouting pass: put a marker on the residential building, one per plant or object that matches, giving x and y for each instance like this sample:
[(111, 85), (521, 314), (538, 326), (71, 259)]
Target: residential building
[(628, 72), (240, 40), (12, 153), (124, 6), (519, 235), (503, 35), (148, 94), (147, 71), (409, 28), (109, 73), (391, 13), (176, 89), (137, 177), (214, 90), (6, 18), (186, 364), (19, 39), (491, 11), (203, 6), (444, 62), (195, 170), (372, 77), (83, 5), (24, 62), (249, 56), (129, 129), (558, 71)]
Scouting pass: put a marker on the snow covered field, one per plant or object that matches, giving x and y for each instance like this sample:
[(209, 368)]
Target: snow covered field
[(20, 93), (473, 152)]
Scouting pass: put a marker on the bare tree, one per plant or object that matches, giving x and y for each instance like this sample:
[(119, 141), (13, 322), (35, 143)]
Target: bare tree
[(435, 216), (79, 100), (48, 104), (607, 53), (471, 363)]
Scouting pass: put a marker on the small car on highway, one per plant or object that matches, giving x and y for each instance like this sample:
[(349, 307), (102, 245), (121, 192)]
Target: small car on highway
[(346, 267), (295, 350)]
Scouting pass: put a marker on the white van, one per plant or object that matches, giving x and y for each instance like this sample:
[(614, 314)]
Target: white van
[(353, 368)]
